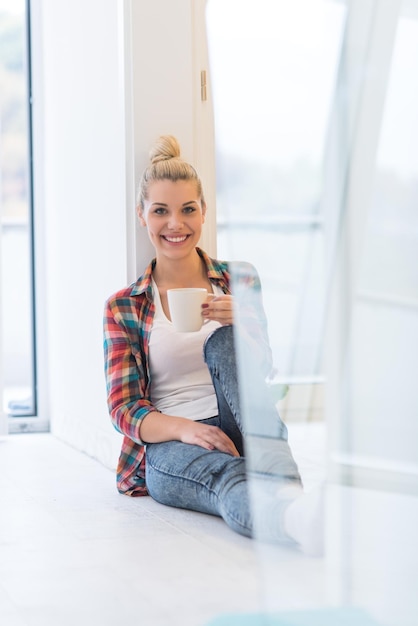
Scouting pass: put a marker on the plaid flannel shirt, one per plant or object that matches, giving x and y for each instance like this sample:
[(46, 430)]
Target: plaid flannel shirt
[(128, 319)]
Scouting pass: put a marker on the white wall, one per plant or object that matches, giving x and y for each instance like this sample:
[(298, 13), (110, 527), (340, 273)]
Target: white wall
[(83, 216), (103, 92), (168, 50)]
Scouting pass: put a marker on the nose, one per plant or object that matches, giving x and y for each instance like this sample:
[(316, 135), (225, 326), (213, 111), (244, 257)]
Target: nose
[(175, 221)]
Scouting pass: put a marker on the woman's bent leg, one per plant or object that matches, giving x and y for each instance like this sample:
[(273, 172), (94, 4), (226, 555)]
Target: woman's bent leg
[(280, 508), (267, 450), (209, 481)]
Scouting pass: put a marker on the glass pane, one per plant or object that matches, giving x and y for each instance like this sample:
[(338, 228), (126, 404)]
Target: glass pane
[(273, 79), (386, 310), (15, 213), (391, 264), (378, 433), (365, 453), (292, 278)]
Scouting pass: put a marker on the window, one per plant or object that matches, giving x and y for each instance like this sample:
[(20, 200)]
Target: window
[(385, 298), (273, 74), (16, 235), (391, 265)]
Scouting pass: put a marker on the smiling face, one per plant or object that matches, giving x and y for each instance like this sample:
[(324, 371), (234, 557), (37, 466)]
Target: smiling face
[(173, 214)]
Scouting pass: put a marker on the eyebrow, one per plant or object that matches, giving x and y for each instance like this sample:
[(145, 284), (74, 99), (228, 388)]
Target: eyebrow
[(166, 205)]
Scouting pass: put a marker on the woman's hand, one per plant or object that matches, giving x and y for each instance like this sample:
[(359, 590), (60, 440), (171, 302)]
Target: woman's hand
[(157, 427), (219, 309), (207, 436)]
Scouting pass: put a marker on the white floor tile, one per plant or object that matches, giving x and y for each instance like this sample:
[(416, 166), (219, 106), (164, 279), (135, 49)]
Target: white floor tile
[(75, 552)]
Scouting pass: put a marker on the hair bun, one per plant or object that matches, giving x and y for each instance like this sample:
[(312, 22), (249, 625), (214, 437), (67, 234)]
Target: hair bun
[(166, 164), (166, 147)]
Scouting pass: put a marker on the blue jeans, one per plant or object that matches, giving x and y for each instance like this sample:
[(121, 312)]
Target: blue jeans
[(190, 477)]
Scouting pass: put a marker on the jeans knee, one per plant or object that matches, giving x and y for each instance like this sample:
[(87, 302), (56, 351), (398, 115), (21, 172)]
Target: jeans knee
[(220, 342)]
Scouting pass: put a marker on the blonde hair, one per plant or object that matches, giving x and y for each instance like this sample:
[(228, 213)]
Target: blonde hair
[(166, 164)]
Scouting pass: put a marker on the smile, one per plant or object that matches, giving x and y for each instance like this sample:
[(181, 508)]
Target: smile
[(175, 239)]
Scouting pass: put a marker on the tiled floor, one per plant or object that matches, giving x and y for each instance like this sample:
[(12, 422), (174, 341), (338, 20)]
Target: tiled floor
[(74, 552)]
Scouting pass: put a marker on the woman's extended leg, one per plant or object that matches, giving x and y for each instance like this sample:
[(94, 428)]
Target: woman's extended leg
[(208, 481)]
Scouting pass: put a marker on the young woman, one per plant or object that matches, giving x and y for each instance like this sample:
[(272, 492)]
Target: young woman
[(174, 396)]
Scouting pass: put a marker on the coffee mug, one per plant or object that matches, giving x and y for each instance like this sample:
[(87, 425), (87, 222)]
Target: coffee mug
[(185, 306)]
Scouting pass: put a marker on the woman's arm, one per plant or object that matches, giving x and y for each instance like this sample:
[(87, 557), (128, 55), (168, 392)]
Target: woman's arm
[(126, 380), (157, 427), (132, 413)]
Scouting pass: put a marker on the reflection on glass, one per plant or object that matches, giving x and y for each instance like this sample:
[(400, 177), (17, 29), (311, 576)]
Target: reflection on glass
[(273, 77), (15, 213), (270, 215), (391, 263), (386, 307)]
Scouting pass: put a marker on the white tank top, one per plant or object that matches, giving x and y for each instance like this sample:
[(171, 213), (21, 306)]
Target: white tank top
[(180, 381)]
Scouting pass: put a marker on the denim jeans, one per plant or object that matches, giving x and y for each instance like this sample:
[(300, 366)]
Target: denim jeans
[(238, 489)]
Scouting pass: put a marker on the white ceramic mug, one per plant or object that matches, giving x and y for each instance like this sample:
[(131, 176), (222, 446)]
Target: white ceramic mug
[(186, 308)]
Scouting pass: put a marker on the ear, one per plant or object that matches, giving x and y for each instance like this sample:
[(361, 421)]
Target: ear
[(203, 211), (140, 215)]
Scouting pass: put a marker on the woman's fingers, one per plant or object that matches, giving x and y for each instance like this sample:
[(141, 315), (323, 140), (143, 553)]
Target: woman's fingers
[(219, 309), (221, 441), (209, 437)]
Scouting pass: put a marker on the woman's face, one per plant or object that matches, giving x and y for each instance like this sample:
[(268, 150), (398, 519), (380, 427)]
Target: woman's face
[(173, 214)]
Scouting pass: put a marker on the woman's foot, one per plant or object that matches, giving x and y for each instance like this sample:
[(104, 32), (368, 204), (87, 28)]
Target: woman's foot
[(304, 521)]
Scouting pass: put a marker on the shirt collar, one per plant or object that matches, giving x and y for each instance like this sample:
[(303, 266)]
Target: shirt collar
[(143, 284)]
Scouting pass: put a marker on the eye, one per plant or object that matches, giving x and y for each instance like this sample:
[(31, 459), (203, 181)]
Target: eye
[(189, 209), (160, 210)]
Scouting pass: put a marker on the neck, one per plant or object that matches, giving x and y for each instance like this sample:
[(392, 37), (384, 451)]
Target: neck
[(185, 272)]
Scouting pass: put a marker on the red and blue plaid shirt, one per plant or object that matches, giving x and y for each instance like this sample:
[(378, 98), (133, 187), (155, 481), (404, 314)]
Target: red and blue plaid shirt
[(128, 319)]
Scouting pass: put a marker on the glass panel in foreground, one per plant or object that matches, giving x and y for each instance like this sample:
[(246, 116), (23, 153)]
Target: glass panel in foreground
[(353, 430)]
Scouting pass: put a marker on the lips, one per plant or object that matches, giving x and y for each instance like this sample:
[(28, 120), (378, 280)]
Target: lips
[(178, 239)]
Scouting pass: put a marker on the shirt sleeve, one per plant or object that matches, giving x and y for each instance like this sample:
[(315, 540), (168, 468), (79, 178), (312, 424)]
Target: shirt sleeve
[(126, 379)]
